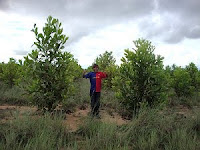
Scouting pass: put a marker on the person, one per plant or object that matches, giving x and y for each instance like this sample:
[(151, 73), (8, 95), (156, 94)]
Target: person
[(95, 89)]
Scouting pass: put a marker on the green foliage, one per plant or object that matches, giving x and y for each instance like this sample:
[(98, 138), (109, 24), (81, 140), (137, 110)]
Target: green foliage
[(105, 60), (106, 63), (9, 72), (162, 130), (194, 75), (80, 97), (12, 96), (52, 72), (142, 77), (169, 73), (182, 82), (152, 129), (101, 136)]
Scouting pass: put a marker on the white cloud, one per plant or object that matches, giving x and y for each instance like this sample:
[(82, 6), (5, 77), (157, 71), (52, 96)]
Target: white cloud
[(15, 35), (114, 38), (92, 31), (180, 54)]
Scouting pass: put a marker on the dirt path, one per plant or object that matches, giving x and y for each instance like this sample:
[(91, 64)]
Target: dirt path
[(73, 120)]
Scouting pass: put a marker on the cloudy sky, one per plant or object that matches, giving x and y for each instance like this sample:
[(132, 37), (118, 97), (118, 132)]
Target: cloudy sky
[(94, 26)]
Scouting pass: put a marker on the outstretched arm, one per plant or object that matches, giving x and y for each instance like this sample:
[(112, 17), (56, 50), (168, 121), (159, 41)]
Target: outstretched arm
[(86, 75)]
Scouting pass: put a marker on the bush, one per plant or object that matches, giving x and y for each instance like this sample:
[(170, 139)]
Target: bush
[(52, 72), (9, 72), (194, 75), (182, 82), (141, 78)]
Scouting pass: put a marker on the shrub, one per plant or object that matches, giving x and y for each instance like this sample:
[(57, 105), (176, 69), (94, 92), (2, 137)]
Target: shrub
[(194, 75), (51, 71), (9, 72), (182, 82), (141, 78)]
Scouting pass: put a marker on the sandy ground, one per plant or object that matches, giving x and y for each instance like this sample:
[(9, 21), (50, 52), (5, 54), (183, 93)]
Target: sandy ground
[(73, 120)]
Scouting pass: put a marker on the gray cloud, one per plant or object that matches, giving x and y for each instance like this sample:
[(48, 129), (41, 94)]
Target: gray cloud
[(82, 17), (4, 4), (21, 52), (188, 14), (194, 32), (87, 9), (179, 19)]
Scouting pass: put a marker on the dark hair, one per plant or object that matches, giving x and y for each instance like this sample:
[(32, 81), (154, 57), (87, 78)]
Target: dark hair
[(95, 65)]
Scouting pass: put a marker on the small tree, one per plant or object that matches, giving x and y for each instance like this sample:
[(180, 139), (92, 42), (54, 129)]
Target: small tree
[(182, 82), (48, 67), (142, 77), (194, 73), (9, 72)]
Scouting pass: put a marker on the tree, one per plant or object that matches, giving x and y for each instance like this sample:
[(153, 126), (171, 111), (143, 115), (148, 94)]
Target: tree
[(194, 75), (182, 82), (142, 77), (49, 67), (9, 72)]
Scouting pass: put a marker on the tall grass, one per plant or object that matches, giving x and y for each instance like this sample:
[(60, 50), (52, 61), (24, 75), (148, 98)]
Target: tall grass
[(186, 101), (31, 132), (80, 97), (14, 95), (152, 129), (108, 99), (157, 130), (98, 135)]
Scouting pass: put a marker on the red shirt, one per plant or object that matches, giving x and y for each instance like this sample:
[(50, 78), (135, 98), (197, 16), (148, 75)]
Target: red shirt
[(95, 80)]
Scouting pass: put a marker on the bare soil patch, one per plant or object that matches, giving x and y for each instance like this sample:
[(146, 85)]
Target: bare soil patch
[(72, 120)]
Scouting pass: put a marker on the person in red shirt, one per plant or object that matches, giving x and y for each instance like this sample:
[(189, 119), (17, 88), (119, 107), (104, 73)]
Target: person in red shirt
[(95, 90)]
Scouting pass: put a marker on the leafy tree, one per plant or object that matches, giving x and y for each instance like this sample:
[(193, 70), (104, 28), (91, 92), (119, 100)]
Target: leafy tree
[(106, 63), (50, 68), (9, 72), (169, 73), (142, 77), (182, 82), (194, 75), (106, 59)]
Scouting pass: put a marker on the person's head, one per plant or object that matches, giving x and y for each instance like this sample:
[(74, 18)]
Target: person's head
[(95, 68)]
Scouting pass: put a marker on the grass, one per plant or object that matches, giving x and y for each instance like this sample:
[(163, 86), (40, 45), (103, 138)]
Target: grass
[(156, 129), (29, 132), (186, 101), (12, 96), (80, 98), (152, 129), (159, 130)]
